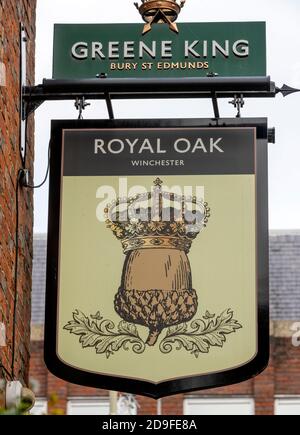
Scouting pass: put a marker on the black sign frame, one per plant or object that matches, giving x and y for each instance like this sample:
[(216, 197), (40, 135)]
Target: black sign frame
[(156, 391)]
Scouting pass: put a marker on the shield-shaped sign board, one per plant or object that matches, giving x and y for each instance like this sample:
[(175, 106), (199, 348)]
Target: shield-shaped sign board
[(157, 270)]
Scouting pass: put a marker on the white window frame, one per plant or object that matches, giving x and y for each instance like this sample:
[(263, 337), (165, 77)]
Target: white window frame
[(99, 402), (215, 401), (40, 406), (286, 401)]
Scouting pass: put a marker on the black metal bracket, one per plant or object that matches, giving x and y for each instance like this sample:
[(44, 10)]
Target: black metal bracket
[(22, 81), (108, 89), (30, 103), (271, 135), (80, 105), (109, 106), (215, 105), (238, 103), (30, 106)]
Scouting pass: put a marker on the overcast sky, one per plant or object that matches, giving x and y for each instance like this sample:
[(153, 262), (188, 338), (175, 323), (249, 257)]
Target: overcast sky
[(283, 48)]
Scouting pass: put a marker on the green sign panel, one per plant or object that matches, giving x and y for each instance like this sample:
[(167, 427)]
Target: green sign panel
[(121, 51)]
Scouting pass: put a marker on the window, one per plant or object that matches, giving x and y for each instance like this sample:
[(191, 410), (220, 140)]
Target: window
[(218, 406), (287, 406), (40, 407), (88, 406)]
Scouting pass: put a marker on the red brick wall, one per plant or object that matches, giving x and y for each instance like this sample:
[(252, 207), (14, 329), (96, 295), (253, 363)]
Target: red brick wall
[(287, 374), (264, 385), (11, 14), (147, 406), (38, 370), (281, 377), (55, 390)]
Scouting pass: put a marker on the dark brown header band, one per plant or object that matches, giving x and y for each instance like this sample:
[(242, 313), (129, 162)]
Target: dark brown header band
[(184, 151)]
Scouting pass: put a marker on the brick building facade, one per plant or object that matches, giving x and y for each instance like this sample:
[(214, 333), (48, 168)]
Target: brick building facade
[(15, 237), (276, 390), (278, 387)]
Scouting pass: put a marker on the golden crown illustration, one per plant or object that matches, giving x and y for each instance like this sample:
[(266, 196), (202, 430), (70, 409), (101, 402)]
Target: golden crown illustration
[(156, 230), (142, 222), (160, 11)]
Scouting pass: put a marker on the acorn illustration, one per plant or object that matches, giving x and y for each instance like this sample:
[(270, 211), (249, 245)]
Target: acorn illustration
[(156, 230)]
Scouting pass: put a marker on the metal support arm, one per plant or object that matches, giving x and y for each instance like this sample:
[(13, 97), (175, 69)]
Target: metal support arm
[(110, 89), (162, 85)]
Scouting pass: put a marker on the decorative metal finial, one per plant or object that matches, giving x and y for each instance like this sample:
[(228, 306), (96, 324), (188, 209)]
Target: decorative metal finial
[(286, 90), (160, 11), (158, 182)]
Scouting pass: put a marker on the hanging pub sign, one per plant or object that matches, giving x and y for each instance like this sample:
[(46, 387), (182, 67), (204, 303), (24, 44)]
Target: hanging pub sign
[(84, 51), (157, 273)]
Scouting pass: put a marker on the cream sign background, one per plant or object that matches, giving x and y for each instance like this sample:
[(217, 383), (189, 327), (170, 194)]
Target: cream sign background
[(223, 268)]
